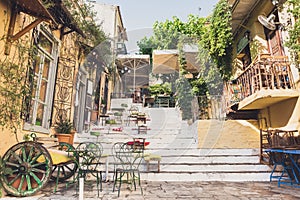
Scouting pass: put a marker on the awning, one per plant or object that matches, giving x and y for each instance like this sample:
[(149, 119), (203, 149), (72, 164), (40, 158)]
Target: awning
[(240, 12), (165, 61), (266, 97), (34, 8), (56, 12), (63, 16)]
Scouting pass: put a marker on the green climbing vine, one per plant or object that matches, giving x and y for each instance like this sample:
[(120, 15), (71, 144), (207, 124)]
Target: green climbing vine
[(14, 86), (218, 39), (15, 89), (294, 32)]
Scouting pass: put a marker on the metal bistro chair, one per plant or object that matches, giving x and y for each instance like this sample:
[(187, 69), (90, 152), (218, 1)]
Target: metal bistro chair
[(89, 155), (127, 161)]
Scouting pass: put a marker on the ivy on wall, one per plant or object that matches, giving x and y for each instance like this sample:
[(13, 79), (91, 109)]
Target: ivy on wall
[(218, 40), (294, 33), (15, 87)]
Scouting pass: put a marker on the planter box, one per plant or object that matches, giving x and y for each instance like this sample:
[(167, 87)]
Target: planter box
[(68, 138)]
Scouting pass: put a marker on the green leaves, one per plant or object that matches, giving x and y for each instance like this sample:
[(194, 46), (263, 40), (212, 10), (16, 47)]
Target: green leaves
[(63, 126), (14, 85), (294, 32), (160, 89), (219, 38)]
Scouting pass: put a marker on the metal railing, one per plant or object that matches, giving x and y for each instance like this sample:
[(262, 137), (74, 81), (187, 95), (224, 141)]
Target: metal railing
[(265, 72)]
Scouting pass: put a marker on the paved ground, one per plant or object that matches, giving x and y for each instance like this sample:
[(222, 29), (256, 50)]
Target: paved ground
[(170, 190), (176, 190)]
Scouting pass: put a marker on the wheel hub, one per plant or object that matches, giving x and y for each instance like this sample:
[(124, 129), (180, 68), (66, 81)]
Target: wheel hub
[(25, 168)]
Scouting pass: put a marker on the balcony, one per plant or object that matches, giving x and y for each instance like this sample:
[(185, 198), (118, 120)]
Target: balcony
[(266, 81)]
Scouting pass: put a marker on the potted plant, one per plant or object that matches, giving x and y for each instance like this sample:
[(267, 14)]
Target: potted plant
[(64, 130)]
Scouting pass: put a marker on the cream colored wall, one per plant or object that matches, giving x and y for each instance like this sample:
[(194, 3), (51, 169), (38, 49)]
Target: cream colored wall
[(258, 43), (279, 115), (8, 137)]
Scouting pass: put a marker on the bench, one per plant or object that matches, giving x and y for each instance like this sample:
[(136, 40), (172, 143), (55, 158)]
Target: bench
[(152, 157)]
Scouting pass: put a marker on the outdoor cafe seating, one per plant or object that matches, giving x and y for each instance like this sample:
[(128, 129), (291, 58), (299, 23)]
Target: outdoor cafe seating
[(89, 155), (284, 152), (127, 159)]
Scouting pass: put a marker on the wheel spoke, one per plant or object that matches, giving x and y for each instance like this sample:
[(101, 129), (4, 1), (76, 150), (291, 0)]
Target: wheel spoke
[(21, 183), (15, 171), (24, 155), (30, 154), (39, 164), (37, 179), (17, 157), (12, 164), (36, 157), (38, 170), (69, 168), (64, 172), (28, 182), (14, 179), (54, 168)]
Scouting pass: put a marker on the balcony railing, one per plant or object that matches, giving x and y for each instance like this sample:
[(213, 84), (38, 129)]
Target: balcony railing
[(265, 72)]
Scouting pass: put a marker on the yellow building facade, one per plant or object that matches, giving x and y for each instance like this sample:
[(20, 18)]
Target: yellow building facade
[(266, 78), (44, 71)]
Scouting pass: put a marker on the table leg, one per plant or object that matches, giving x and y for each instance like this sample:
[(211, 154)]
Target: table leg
[(106, 169)]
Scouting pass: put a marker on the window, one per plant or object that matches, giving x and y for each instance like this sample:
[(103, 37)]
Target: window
[(42, 81)]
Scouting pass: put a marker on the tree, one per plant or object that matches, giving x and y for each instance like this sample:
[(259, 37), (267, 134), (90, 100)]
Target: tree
[(214, 38)]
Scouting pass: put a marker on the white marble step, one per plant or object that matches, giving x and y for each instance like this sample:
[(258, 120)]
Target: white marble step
[(205, 176), (186, 168), (203, 152), (211, 159)]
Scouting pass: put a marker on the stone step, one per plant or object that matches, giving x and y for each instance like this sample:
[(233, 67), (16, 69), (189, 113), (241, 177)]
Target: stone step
[(182, 160), (203, 152), (207, 176), (210, 159), (220, 168)]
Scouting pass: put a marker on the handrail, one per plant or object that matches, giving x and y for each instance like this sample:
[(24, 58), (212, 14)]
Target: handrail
[(265, 72)]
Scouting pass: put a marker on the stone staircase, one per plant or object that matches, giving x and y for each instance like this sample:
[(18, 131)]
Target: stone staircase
[(225, 160), (189, 155)]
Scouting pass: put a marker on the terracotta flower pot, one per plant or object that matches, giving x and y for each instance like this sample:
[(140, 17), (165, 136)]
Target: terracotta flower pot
[(68, 138)]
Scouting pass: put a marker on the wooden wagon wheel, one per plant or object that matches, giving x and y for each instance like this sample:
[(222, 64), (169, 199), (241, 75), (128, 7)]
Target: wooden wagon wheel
[(65, 169), (31, 166)]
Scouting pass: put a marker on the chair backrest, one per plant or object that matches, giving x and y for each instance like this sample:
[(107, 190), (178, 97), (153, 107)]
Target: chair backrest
[(126, 156), (89, 155)]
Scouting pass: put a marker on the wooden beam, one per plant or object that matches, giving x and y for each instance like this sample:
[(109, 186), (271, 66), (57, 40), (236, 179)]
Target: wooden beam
[(27, 28), (11, 28)]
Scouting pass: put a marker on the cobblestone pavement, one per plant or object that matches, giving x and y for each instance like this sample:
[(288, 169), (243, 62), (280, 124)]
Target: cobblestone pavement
[(175, 190)]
